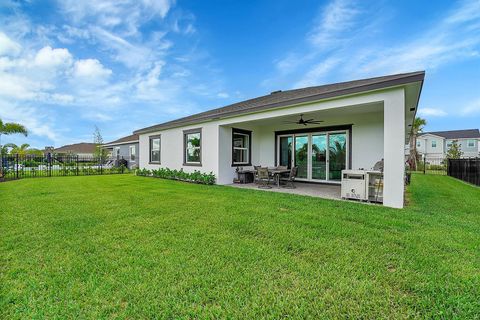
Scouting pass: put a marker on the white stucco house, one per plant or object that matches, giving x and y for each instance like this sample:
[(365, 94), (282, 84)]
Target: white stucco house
[(356, 124), (435, 145), (125, 148)]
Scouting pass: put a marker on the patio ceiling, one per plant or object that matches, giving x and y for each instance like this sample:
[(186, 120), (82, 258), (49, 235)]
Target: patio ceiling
[(329, 117)]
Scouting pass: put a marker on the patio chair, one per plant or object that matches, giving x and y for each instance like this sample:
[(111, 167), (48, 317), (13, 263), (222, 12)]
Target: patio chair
[(255, 173), (289, 181), (263, 178)]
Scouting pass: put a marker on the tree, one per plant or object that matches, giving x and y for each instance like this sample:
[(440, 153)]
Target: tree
[(7, 129), (100, 152), (11, 128), (454, 151), (417, 127), (24, 149)]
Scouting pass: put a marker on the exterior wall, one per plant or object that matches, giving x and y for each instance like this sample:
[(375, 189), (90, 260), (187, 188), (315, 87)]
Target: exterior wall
[(371, 139), (425, 143), (171, 149), (441, 150), (469, 152)]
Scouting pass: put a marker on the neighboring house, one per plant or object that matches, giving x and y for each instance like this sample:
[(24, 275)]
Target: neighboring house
[(435, 145), (82, 149), (125, 148), (363, 121)]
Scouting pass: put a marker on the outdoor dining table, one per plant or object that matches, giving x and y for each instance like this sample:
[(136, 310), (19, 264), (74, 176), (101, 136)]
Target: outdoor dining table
[(276, 173)]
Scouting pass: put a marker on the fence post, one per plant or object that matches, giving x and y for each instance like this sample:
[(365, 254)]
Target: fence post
[(77, 165), (16, 166), (424, 163), (49, 164)]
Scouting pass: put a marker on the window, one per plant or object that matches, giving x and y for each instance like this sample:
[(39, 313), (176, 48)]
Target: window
[(116, 153), (471, 143), (449, 144), (434, 143), (132, 153), (419, 144), (192, 142), (155, 149), (241, 147)]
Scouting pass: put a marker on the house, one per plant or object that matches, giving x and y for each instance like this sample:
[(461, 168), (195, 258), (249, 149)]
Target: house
[(435, 145), (82, 149), (125, 148), (355, 124)]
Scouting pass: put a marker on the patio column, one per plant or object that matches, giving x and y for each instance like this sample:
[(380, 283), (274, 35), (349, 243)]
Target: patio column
[(393, 146)]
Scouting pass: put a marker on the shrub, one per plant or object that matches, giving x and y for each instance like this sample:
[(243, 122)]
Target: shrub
[(436, 167), (166, 173)]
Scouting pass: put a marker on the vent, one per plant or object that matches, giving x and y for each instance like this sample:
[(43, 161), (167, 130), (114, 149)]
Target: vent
[(277, 91)]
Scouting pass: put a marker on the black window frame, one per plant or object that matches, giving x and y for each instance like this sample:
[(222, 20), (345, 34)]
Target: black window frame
[(150, 139), (185, 134), (249, 134)]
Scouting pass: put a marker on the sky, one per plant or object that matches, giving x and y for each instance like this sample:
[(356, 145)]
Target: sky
[(68, 66)]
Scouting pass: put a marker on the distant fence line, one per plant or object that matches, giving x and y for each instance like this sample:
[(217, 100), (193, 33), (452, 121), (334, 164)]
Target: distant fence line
[(432, 165), (467, 170), (18, 166)]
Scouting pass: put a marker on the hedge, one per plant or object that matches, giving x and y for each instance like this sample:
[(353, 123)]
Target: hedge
[(165, 173)]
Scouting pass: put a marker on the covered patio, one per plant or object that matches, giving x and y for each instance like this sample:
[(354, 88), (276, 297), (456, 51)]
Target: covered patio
[(325, 191)]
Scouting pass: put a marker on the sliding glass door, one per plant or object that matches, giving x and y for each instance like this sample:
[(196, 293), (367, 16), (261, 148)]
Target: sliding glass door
[(337, 146), (319, 156), (285, 151), (301, 156)]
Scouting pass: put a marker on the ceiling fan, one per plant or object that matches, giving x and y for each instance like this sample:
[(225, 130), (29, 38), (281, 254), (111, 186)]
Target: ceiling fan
[(304, 122)]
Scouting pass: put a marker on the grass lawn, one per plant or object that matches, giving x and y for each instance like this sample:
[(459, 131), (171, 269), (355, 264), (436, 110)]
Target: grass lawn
[(122, 246)]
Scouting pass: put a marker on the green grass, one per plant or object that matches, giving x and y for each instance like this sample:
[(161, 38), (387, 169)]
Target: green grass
[(122, 246)]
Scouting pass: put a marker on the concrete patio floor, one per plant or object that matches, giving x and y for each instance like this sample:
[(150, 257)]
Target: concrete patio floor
[(327, 191)]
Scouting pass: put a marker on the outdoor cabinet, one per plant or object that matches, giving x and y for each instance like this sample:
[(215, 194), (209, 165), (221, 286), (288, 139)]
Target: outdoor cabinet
[(374, 184), (353, 184)]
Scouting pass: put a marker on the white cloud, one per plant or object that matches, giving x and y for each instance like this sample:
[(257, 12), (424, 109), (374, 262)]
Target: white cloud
[(8, 47), (432, 112), (46, 75), (53, 58), (318, 73), (472, 108), (343, 29), (91, 69), (21, 87), (62, 98), (36, 123), (126, 15), (223, 95), (337, 17)]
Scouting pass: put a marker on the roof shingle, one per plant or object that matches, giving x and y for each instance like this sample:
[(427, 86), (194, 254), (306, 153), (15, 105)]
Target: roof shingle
[(82, 147), (455, 134), (132, 137), (290, 97)]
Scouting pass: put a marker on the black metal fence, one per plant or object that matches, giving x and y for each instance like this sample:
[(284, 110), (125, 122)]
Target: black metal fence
[(50, 165), (432, 165), (467, 170)]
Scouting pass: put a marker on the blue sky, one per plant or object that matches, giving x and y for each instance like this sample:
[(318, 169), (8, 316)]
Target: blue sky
[(66, 66)]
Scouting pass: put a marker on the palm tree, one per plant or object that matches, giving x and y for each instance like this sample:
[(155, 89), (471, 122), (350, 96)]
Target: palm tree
[(417, 127), (21, 150), (6, 129), (11, 128), (6, 147)]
